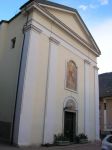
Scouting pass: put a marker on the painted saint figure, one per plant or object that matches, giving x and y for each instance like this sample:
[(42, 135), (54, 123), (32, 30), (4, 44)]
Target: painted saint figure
[(71, 81)]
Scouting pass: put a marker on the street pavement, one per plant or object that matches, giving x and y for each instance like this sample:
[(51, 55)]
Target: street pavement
[(91, 146)]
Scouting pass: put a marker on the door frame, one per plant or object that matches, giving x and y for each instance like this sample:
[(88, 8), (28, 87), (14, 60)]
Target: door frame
[(75, 110), (76, 126)]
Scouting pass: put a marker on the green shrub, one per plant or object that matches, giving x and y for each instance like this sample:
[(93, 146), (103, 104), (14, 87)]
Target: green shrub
[(82, 136), (60, 137)]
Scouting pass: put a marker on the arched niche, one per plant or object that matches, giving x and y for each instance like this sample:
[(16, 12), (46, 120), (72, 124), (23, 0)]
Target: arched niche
[(70, 104)]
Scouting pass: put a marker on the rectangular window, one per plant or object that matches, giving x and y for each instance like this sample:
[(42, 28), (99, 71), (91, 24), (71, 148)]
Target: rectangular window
[(13, 42), (99, 106), (105, 106)]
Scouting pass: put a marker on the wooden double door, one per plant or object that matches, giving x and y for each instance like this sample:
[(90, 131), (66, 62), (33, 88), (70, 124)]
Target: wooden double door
[(70, 125)]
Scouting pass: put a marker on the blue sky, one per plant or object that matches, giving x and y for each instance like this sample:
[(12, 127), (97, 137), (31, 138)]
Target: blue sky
[(97, 14)]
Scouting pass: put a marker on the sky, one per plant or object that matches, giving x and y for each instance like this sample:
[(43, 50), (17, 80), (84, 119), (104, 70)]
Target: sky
[(97, 15)]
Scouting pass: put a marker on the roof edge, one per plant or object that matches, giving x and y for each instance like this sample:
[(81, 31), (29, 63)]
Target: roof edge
[(94, 42), (4, 21), (8, 21), (50, 3)]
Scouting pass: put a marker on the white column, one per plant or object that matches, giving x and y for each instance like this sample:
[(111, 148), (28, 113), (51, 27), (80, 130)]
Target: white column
[(96, 102), (87, 97), (25, 123), (49, 127)]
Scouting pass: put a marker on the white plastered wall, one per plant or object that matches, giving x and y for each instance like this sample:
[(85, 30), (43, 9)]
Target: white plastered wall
[(34, 94)]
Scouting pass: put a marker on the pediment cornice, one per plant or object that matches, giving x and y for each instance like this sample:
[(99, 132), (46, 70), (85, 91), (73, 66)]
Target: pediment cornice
[(34, 5)]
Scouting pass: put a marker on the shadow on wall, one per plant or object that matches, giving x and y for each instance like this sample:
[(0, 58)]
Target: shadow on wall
[(5, 129)]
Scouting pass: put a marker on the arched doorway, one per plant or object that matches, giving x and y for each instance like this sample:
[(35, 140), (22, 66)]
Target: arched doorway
[(70, 119)]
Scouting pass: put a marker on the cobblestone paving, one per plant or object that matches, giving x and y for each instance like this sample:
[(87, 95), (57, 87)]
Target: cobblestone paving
[(71, 147)]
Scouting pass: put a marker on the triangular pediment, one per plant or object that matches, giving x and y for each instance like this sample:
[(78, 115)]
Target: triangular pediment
[(73, 21), (68, 19)]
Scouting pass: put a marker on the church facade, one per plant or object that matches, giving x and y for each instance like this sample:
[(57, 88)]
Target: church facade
[(49, 79)]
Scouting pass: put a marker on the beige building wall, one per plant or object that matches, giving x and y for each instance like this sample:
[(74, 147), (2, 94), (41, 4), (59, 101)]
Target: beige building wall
[(9, 65), (3, 33), (105, 114)]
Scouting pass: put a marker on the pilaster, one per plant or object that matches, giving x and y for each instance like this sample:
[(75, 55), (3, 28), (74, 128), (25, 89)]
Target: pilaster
[(87, 97), (25, 124), (96, 103), (49, 128)]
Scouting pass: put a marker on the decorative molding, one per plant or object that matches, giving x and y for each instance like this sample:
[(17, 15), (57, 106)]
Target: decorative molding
[(31, 27), (95, 67), (54, 40), (107, 98), (70, 98), (57, 8), (86, 61), (63, 42)]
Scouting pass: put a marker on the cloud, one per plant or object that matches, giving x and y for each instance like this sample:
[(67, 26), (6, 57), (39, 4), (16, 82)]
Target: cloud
[(90, 6), (83, 7), (93, 6), (104, 2), (102, 34)]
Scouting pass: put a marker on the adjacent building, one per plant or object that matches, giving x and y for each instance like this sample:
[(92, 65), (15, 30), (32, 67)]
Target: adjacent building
[(105, 88), (49, 75)]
